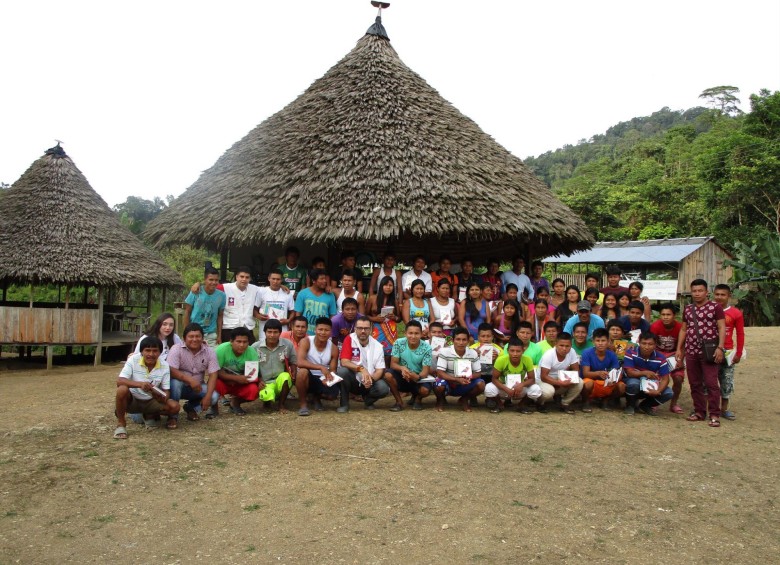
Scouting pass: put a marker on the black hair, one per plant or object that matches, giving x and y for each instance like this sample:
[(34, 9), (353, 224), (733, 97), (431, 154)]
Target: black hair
[(242, 269), (192, 327), (272, 325), (636, 304), (241, 331), (600, 332), (317, 273), (323, 321), (550, 324), (210, 271), (565, 336), (698, 282), (725, 287), (154, 329), (414, 324), (515, 342), (648, 335), (349, 301), (484, 327), (386, 299), (151, 341), (458, 331)]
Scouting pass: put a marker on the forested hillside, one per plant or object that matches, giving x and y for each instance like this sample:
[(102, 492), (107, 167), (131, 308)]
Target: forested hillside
[(703, 171)]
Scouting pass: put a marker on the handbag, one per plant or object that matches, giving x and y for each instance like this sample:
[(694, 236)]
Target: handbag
[(709, 345)]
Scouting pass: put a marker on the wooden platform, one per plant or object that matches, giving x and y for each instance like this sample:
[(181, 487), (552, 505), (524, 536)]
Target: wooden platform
[(119, 338)]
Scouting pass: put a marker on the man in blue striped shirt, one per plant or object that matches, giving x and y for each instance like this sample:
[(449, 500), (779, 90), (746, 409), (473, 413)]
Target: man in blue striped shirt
[(647, 377)]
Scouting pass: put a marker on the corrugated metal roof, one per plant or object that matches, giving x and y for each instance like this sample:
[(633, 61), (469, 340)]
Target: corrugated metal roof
[(647, 251)]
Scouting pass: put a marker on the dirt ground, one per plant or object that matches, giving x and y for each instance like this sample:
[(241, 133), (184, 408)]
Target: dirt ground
[(373, 487)]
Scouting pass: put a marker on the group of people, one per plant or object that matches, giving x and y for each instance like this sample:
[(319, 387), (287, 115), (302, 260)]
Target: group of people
[(516, 339)]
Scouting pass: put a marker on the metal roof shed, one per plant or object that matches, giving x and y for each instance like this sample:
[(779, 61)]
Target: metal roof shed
[(691, 257)]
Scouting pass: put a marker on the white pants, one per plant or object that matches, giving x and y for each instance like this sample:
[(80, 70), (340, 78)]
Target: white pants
[(533, 391)]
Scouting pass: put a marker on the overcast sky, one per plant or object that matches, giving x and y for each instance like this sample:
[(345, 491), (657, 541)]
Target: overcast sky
[(147, 94)]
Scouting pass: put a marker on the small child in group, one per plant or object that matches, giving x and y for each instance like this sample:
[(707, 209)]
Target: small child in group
[(487, 350)]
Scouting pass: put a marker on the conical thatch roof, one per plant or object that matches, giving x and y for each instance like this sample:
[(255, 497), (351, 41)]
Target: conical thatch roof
[(54, 228), (371, 153)]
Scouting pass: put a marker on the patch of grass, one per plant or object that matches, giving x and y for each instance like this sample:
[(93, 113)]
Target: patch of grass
[(361, 516), (250, 548), (538, 458), (66, 535), (107, 519), (308, 503), (11, 514), (91, 453), (252, 507), (220, 464), (182, 476)]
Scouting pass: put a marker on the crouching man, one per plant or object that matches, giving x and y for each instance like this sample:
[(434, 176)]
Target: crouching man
[(647, 377), (189, 362), (559, 359), (143, 387), (277, 359), (362, 367), (458, 372), (513, 378), (410, 362), (232, 358)]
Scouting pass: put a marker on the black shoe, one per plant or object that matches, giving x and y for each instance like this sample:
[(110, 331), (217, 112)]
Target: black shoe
[(542, 408), (647, 409), (492, 405)]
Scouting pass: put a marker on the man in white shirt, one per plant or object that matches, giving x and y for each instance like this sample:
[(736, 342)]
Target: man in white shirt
[(517, 276), (417, 272), (143, 387), (362, 367), (558, 359), (273, 302), (241, 296), (458, 372)]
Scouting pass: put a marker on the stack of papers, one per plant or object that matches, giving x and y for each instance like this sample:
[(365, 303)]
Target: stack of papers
[(573, 376), (646, 384), (334, 378), (612, 378)]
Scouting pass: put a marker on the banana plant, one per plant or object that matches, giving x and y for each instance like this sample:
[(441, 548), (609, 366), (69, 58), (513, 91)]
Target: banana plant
[(756, 280)]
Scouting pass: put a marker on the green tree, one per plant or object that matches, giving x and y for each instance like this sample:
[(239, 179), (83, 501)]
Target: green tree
[(136, 212), (723, 99), (757, 280)]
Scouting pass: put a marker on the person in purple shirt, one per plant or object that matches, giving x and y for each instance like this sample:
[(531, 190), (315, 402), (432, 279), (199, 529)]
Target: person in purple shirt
[(634, 321), (190, 362), (537, 280), (344, 323), (646, 376)]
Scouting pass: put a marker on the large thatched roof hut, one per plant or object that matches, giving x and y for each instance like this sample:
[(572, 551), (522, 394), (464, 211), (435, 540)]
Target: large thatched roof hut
[(55, 229), (371, 155)]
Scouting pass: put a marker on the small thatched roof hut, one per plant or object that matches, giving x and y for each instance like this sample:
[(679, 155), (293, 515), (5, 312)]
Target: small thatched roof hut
[(54, 228), (371, 155)]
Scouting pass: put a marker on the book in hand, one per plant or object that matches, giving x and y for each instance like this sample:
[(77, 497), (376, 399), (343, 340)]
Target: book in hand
[(671, 362), (334, 378), (486, 354), (573, 376), (158, 390), (646, 384), (252, 370), (386, 311), (437, 342), (274, 312), (512, 380), (731, 353), (635, 335), (612, 378), (493, 305), (499, 332), (427, 380), (461, 294), (463, 369), (446, 318)]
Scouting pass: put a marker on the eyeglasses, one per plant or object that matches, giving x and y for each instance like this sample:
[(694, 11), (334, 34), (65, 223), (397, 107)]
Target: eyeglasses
[(360, 329)]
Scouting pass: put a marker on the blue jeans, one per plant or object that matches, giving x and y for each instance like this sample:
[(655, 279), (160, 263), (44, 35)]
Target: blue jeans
[(182, 391), (665, 396)]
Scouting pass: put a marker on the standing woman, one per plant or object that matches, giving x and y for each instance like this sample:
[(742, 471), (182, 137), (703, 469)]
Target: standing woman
[(558, 295), (493, 278), (635, 290), (540, 317), (508, 321), (443, 307), (568, 308), (592, 296), (417, 307), (163, 328), (385, 330), (386, 270), (623, 302), (474, 310), (610, 309)]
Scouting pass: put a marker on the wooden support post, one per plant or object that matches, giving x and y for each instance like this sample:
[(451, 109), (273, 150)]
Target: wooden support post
[(148, 301), (164, 298), (49, 357), (67, 296), (99, 348), (86, 293), (223, 264), (32, 293)]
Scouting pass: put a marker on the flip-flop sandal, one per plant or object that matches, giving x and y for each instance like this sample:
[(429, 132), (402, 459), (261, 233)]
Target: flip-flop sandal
[(120, 432), (695, 418), (713, 423), (238, 411), (676, 409), (192, 416), (172, 424)]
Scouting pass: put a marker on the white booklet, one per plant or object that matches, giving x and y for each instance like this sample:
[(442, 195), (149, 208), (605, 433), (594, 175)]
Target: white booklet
[(671, 362), (427, 380), (493, 305), (437, 342), (731, 353), (386, 311), (512, 380), (158, 390), (486, 354), (612, 378), (252, 370), (635, 335), (573, 376), (334, 378), (273, 312), (461, 294), (646, 384), (463, 368)]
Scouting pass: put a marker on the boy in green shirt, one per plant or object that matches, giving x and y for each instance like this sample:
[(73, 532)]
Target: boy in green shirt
[(513, 378), (233, 379)]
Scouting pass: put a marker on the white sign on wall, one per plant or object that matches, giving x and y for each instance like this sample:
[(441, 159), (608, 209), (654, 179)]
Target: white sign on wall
[(657, 290)]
